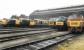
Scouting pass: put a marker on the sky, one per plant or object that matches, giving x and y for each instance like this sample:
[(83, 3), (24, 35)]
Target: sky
[(17, 7)]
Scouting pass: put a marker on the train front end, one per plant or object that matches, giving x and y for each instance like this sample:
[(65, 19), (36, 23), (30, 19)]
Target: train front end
[(32, 23), (60, 23), (75, 23), (4, 22), (51, 23)]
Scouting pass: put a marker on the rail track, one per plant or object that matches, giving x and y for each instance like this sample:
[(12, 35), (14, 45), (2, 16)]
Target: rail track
[(23, 33), (41, 45), (16, 35), (6, 37), (21, 30), (6, 29), (30, 39)]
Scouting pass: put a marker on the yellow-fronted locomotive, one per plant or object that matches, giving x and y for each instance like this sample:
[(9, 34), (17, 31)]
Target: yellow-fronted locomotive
[(17, 22), (61, 23), (32, 23), (13, 23), (51, 22), (75, 22), (4, 22)]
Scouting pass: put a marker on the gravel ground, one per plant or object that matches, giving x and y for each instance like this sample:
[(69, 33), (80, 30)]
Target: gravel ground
[(76, 43)]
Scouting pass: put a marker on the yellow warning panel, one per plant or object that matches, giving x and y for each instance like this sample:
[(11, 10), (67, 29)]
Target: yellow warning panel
[(51, 23), (59, 23), (17, 21), (75, 23), (32, 22)]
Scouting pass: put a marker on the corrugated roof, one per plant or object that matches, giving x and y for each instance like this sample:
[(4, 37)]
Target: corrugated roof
[(60, 10)]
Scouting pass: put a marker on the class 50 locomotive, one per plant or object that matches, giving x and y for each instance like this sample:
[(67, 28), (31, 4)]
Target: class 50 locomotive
[(75, 22)]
